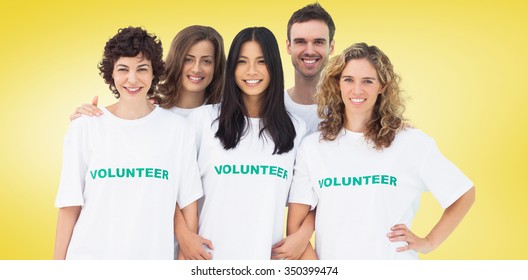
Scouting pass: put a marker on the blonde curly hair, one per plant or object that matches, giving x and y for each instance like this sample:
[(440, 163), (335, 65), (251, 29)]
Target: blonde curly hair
[(387, 116)]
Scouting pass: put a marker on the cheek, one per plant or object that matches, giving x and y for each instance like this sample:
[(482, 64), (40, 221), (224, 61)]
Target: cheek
[(238, 73)]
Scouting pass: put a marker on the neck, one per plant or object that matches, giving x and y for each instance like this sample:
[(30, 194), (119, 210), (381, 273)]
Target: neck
[(303, 92), (356, 122), (131, 109), (253, 105), (190, 100)]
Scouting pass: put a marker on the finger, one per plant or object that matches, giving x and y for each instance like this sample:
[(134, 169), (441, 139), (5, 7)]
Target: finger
[(281, 256), (206, 256), (93, 109), (74, 116), (399, 238), (399, 226), (396, 233), (276, 251), (95, 100), (280, 243), (403, 248), (208, 243), (85, 109)]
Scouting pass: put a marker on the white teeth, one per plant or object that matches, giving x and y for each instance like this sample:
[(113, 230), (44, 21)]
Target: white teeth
[(357, 100), (133, 89), (309, 61), (252, 81), (195, 78)]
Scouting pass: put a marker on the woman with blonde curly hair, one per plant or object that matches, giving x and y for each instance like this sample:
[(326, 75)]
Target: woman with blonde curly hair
[(366, 168)]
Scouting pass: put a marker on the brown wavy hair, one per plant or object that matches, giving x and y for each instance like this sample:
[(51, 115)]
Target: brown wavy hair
[(387, 116), (170, 88), (130, 42)]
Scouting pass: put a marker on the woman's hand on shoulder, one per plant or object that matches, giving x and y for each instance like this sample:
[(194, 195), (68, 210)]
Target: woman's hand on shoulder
[(87, 110)]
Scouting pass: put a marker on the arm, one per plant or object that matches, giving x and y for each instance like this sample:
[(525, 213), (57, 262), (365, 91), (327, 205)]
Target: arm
[(450, 219), (65, 223), (186, 228), (301, 223)]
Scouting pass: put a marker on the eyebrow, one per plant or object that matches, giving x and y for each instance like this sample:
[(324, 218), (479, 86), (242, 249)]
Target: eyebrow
[(241, 56), (304, 39), (141, 65), (364, 78), (201, 56)]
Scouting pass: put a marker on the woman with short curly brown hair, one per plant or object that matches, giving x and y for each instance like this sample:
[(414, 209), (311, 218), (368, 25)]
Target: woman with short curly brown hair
[(124, 172), (366, 169)]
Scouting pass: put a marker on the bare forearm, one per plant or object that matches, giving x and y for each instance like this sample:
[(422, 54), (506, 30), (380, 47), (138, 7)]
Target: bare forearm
[(190, 215), (308, 225), (297, 215), (65, 223), (450, 219)]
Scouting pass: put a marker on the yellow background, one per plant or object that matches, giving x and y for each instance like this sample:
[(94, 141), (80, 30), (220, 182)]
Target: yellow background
[(463, 65)]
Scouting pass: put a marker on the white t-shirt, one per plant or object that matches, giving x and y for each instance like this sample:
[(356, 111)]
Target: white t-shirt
[(361, 192), (127, 175), (184, 112), (245, 189), (306, 112)]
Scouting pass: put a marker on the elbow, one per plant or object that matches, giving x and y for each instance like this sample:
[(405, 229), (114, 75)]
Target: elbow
[(471, 193)]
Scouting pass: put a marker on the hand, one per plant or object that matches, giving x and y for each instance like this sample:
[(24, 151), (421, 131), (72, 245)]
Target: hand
[(400, 232), (290, 248), (87, 109), (190, 246)]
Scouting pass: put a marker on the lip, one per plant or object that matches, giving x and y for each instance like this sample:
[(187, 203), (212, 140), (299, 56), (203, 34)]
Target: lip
[(195, 79), (133, 90), (357, 101), (252, 82), (309, 61)]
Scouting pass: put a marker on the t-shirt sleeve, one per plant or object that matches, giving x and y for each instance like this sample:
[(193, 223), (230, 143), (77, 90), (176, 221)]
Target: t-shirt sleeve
[(301, 190), (196, 120), (446, 182), (74, 167), (190, 184)]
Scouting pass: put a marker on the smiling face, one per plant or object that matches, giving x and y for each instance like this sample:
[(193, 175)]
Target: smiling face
[(309, 47), (133, 76), (198, 68), (251, 73), (360, 87)]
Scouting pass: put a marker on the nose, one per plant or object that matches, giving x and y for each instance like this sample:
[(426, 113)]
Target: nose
[(131, 77), (358, 89), (252, 69), (196, 67), (310, 48)]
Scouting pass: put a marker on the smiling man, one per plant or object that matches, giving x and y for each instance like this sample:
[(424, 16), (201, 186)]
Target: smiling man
[(310, 42)]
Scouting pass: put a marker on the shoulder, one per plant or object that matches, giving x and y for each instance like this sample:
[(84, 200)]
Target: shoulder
[(211, 110), (169, 114), (299, 123), (414, 138), (312, 140), (204, 114), (84, 122)]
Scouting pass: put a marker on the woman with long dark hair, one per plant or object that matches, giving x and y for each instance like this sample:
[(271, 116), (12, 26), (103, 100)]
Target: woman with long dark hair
[(246, 151)]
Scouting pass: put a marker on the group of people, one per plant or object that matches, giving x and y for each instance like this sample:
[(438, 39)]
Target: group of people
[(200, 154)]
